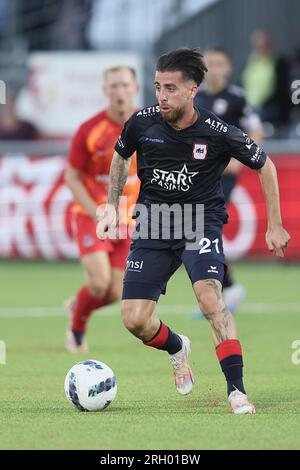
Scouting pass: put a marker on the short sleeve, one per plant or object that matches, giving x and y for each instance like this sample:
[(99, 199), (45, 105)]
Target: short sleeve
[(79, 155), (244, 149), (128, 140)]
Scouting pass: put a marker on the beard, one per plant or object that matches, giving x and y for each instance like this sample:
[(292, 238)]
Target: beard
[(172, 117)]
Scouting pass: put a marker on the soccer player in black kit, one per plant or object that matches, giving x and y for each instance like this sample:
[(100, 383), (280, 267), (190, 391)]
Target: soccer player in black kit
[(182, 153), (229, 103)]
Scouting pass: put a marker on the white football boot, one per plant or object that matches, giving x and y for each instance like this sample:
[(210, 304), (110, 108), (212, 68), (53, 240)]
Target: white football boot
[(183, 375), (240, 404)]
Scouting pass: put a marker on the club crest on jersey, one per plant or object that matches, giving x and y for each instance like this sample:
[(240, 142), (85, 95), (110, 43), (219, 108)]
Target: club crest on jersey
[(200, 151)]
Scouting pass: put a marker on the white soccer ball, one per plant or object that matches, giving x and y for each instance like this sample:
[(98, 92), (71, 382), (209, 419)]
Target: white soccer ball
[(90, 385)]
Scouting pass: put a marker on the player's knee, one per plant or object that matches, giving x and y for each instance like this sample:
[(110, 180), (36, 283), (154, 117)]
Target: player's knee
[(210, 300), (99, 286), (132, 318), (114, 294)]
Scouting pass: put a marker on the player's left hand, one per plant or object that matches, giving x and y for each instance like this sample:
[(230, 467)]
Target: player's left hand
[(277, 240)]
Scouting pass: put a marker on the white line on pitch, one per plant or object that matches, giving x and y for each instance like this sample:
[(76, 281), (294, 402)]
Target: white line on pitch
[(176, 309)]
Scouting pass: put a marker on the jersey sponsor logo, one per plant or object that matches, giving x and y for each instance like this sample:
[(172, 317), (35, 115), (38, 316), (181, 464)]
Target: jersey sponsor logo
[(150, 111), (174, 180), (249, 143), (200, 151), (154, 140), (256, 156), (216, 125)]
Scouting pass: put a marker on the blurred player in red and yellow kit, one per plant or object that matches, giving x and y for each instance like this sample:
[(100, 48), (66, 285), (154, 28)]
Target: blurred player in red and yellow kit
[(87, 175)]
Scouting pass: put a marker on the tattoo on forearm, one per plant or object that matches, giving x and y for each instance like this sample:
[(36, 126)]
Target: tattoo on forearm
[(118, 175)]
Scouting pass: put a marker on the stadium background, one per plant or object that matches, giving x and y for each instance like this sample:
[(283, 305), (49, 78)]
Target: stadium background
[(51, 60)]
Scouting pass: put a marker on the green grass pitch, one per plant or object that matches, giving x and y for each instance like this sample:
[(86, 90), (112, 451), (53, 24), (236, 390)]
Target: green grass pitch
[(147, 412)]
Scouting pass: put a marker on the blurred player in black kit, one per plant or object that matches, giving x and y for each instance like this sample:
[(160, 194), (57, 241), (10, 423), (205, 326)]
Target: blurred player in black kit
[(229, 103)]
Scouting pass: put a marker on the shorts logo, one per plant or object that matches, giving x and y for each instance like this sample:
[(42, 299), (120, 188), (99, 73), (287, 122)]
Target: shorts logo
[(88, 241), (135, 266), (200, 151), (213, 269)]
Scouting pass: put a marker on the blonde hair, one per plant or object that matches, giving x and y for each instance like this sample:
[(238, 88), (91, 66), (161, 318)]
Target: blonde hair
[(117, 68)]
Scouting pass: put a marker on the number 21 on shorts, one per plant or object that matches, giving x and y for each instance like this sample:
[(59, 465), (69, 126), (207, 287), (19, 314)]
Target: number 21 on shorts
[(207, 245)]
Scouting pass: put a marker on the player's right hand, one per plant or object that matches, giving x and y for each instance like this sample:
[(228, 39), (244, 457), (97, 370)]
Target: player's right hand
[(106, 217), (277, 240)]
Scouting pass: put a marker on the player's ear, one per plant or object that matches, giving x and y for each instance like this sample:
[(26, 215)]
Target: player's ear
[(194, 90)]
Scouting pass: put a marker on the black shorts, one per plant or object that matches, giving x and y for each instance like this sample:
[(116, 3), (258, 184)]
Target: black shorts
[(150, 267)]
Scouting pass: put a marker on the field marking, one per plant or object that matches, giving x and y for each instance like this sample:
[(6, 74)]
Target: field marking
[(176, 309)]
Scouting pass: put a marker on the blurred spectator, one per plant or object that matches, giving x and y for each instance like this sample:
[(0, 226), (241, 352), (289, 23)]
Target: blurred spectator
[(13, 128), (70, 28), (35, 20), (55, 24), (266, 81)]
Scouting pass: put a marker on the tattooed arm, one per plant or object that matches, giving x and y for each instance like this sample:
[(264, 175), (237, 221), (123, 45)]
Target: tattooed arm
[(117, 178), (108, 217)]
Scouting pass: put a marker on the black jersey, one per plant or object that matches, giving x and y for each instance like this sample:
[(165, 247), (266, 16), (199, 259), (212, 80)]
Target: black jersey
[(229, 104), (185, 166)]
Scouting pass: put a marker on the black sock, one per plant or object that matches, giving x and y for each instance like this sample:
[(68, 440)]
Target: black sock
[(165, 339), (236, 384), (232, 368), (173, 343), (229, 353)]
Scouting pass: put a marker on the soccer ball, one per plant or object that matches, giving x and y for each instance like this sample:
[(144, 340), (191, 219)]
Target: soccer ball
[(90, 385)]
